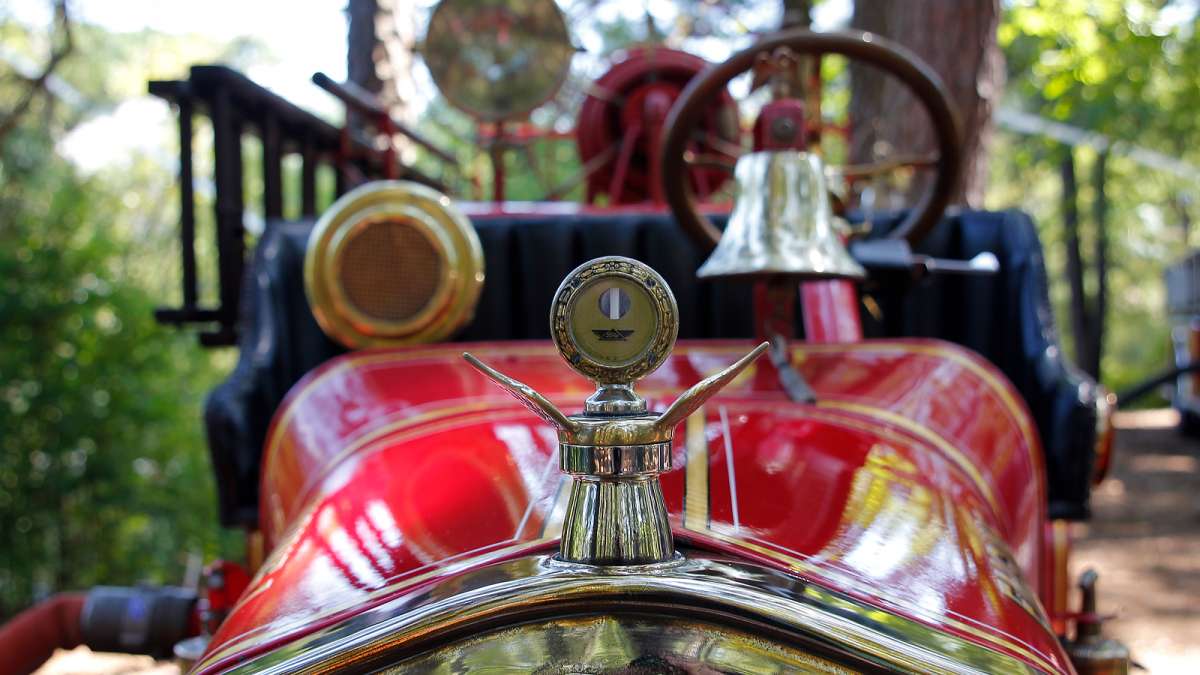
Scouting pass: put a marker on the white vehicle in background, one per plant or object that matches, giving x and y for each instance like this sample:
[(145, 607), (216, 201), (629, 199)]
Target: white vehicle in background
[(1183, 306)]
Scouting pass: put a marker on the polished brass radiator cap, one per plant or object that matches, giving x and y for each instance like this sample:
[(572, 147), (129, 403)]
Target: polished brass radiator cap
[(614, 320)]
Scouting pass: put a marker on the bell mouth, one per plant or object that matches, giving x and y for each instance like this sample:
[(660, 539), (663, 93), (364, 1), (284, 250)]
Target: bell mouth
[(782, 222)]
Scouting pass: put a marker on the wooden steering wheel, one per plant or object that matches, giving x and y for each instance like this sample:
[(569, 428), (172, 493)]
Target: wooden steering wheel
[(893, 59)]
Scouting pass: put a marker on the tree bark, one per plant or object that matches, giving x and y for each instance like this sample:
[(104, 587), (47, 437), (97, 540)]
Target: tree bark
[(380, 58), (1080, 315), (957, 38), (796, 14), (362, 45), (1181, 203), (399, 34), (363, 49), (1100, 255), (37, 84)]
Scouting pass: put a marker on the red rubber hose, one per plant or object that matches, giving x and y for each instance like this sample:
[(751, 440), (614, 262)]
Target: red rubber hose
[(31, 637)]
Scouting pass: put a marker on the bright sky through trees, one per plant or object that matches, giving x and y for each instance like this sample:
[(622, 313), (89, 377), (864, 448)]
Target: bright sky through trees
[(303, 38)]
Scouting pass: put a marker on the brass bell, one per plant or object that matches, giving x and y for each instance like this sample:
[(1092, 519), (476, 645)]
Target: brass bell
[(782, 222)]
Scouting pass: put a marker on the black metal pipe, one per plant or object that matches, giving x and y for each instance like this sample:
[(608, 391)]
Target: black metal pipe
[(361, 100), (187, 204), (1146, 386)]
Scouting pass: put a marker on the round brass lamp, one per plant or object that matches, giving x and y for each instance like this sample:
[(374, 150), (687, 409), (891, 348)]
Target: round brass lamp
[(392, 263)]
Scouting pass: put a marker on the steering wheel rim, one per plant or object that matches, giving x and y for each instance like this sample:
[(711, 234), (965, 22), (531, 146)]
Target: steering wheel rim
[(859, 45)]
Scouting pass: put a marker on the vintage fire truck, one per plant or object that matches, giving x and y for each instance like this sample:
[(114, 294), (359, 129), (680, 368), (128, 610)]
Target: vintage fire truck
[(662, 435)]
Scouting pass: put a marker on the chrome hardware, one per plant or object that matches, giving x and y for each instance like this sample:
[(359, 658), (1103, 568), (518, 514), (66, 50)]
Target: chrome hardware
[(615, 451), (782, 223), (719, 608), (793, 383), (896, 254)]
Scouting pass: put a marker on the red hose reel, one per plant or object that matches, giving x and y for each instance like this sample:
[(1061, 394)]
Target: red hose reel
[(621, 121)]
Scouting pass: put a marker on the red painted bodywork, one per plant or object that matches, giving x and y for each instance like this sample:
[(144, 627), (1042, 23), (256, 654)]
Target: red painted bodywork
[(830, 311), (623, 116), (916, 483)]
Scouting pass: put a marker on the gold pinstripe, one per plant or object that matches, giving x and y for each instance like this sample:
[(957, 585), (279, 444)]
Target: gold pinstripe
[(924, 433), (695, 493)]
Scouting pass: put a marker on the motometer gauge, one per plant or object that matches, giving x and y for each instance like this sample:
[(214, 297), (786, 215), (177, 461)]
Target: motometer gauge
[(614, 320)]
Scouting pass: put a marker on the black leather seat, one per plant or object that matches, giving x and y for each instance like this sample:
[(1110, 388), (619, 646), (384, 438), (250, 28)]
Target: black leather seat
[(1006, 318)]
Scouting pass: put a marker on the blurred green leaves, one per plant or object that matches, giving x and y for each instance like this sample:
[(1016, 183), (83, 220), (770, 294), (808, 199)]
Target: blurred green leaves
[(1125, 69), (103, 472), (104, 475), (1119, 67)]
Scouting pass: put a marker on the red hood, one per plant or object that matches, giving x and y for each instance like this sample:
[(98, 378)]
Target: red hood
[(915, 483)]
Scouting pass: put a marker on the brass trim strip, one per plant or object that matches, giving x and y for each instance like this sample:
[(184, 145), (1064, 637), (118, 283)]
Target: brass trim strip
[(1017, 410), (1061, 578), (1003, 389), (799, 563), (944, 446), (695, 488)]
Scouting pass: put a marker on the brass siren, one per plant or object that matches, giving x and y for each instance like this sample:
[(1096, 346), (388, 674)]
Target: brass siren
[(782, 222), (614, 320)]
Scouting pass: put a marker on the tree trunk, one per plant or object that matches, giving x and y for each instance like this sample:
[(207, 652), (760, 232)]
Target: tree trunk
[(1181, 204), (796, 14), (1100, 255), (1081, 322), (380, 58), (957, 38), (399, 35), (63, 45), (363, 48)]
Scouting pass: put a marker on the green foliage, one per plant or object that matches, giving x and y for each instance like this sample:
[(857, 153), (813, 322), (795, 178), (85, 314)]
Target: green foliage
[(1116, 67), (104, 474), (1124, 69)]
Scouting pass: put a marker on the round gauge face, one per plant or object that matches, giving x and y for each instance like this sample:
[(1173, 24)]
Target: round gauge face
[(614, 320), (498, 59)]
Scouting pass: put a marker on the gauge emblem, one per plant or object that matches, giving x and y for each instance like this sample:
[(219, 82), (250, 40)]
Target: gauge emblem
[(614, 320), (614, 302)]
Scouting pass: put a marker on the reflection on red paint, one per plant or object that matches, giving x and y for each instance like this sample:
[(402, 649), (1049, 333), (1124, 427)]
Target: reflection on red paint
[(880, 490)]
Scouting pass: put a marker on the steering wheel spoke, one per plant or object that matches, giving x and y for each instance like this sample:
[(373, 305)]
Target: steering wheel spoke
[(857, 172), (715, 143), (705, 160)]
